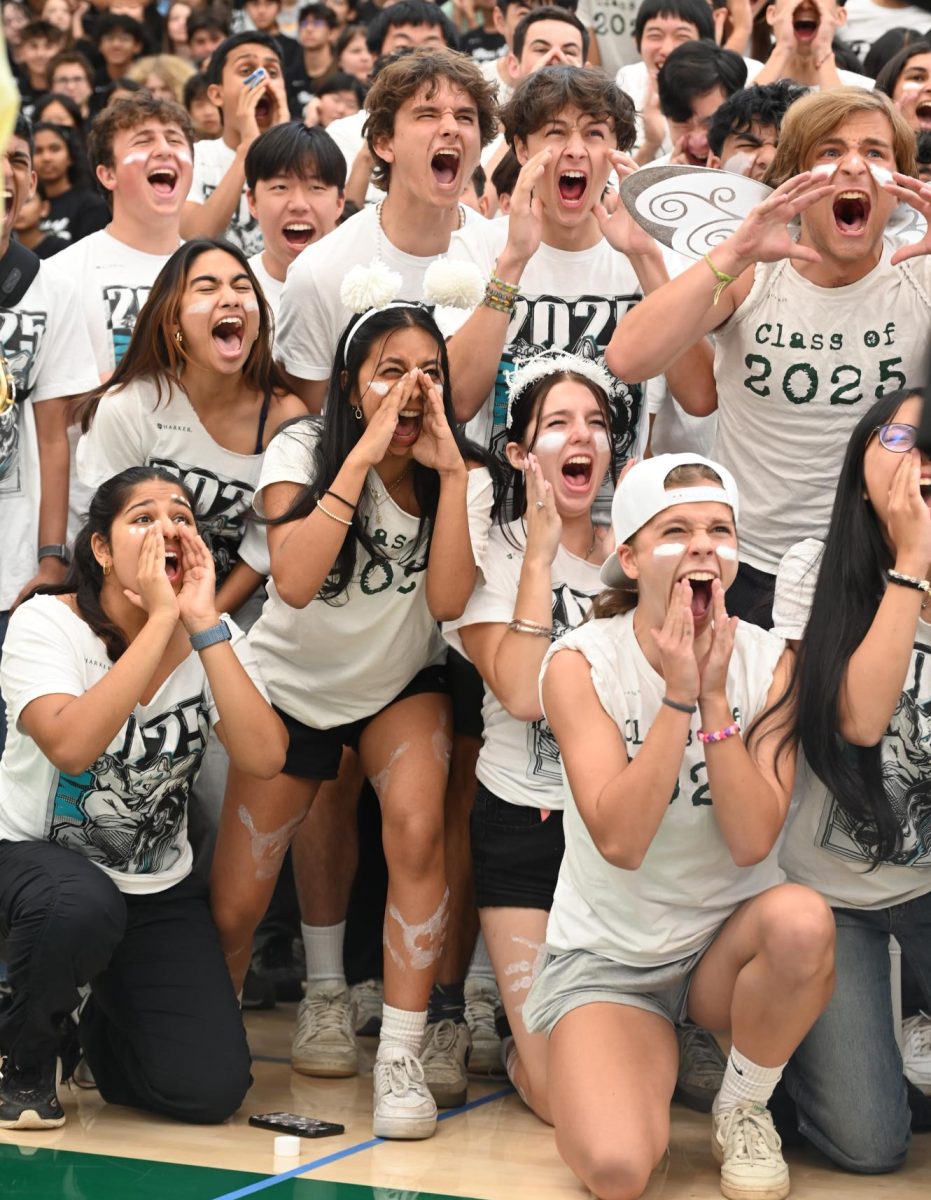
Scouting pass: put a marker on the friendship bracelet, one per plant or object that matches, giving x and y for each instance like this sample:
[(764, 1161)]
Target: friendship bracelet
[(512, 289), (498, 301), (534, 625), (336, 496), (721, 276), (332, 515), (530, 627), (691, 709), (908, 581), (719, 735)]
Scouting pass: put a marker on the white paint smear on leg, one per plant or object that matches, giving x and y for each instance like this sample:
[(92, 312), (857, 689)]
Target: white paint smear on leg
[(382, 778), (423, 942), (268, 849)]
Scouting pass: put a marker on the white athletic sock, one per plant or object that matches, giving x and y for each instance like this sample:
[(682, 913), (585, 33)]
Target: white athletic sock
[(401, 1029), (481, 963), (323, 950), (745, 1082)]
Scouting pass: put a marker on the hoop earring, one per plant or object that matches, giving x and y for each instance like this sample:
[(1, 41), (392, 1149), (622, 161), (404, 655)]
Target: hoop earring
[(179, 337), (106, 567), (357, 412)]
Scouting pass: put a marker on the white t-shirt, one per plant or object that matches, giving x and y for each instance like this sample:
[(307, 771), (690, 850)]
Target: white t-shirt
[(867, 22), (115, 282), (688, 884), (312, 316), (489, 70), (519, 760), (332, 663), (568, 300), (132, 427), (613, 24), (47, 347), (212, 159), (271, 286), (347, 133), (847, 78), (821, 847), (796, 367), (128, 811)]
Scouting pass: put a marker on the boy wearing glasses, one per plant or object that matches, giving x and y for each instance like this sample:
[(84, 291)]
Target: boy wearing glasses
[(808, 332)]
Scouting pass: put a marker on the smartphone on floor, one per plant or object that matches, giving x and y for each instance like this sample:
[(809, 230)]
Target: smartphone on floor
[(308, 1127)]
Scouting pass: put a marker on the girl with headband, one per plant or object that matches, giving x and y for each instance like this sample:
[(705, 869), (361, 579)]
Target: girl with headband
[(372, 517), (539, 575), (669, 900)]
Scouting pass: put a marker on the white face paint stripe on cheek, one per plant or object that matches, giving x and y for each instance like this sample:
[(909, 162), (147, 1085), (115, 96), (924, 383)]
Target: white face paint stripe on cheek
[(880, 174), (669, 550), (250, 304), (198, 306), (602, 441), (550, 443), (728, 553), (134, 157), (824, 169), (379, 387)]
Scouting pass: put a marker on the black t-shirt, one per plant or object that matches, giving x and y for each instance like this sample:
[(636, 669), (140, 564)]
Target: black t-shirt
[(483, 44), (75, 214), (50, 245)]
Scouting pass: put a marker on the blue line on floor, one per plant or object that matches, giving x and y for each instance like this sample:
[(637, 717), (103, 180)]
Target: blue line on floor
[(269, 1058), (303, 1168)]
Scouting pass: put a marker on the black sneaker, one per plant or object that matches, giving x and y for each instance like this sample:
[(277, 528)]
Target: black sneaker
[(28, 1097), (701, 1068), (276, 960)]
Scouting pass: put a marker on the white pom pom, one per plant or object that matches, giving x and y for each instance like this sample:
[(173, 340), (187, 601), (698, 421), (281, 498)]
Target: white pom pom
[(374, 286), (453, 284)]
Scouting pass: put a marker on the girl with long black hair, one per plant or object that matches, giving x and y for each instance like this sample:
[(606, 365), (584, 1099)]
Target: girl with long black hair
[(60, 161), (369, 517), (113, 680), (861, 831)]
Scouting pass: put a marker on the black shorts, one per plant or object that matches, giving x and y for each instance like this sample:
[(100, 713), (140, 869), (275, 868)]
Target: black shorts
[(316, 753), (516, 851), (468, 693)]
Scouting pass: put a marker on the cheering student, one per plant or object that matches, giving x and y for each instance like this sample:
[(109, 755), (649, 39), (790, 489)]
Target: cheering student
[(114, 679), (539, 575), (669, 901), (369, 534), (860, 832)]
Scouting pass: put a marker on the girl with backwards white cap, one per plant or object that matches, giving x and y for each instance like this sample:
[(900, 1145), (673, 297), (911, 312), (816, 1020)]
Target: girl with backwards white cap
[(669, 901)]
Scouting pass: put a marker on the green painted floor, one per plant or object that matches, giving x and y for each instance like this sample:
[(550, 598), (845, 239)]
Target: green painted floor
[(64, 1175)]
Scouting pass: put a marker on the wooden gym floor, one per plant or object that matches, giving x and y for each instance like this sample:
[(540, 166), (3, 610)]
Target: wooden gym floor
[(493, 1149)]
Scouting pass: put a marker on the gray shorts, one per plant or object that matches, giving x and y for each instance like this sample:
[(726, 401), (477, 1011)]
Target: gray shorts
[(577, 977)]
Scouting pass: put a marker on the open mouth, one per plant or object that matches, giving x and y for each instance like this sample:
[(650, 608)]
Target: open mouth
[(298, 234), (851, 212), (572, 185), (805, 22), (263, 111), (923, 113), (577, 473), (228, 335), (172, 565), (924, 483), (163, 180), (700, 583), (407, 430), (445, 166)]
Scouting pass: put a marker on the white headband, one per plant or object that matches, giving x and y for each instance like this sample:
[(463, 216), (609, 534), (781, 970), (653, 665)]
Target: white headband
[(545, 363)]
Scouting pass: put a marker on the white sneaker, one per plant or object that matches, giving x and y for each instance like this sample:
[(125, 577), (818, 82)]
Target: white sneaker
[(482, 999), (745, 1142), (324, 1043), (444, 1056), (916, 1051), (367, 1000), (404, 1107)]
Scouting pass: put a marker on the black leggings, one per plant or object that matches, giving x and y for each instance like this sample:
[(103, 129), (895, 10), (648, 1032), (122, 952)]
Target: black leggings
[(161, 1030)]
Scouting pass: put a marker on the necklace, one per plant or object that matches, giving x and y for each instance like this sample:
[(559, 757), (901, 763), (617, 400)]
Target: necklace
[(389, 488), (404, 474)]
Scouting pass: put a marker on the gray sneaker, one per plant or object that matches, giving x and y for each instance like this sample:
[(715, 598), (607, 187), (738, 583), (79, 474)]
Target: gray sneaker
[(482, 999), (367, 1000), (444, 1056), (701, 1068), (324, 1043)]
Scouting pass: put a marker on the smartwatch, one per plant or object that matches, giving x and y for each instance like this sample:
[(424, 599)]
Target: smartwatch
[(209, 637)]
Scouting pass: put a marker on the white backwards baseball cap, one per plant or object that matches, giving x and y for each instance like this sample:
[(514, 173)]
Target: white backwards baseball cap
[(642, 494)]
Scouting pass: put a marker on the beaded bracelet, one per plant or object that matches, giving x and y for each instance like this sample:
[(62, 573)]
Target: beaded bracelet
[(908, 581), (332, 515), (531, 627), (499, 301), (719, 735), (511, 288)]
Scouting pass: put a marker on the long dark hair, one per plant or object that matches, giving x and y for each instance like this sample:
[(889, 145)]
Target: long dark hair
[(154, 352), (511, 494), (341, 431), (78, 170), (85, 575), (850, 587)]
